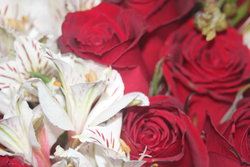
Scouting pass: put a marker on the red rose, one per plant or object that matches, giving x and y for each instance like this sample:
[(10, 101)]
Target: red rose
[(7, 161), (232, 138), (166, 131), (159, 12), (237, 131), (214, 71), (164, 17), (109, 35)]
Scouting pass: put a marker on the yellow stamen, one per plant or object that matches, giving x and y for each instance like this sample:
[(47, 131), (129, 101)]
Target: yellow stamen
[(18, 24), (155, 165), (1, 147), (91, 76), (24, 19), (70, 165), (124, 146), (57, 83)]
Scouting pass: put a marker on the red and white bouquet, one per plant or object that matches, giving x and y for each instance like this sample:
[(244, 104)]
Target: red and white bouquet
[(124, 83)]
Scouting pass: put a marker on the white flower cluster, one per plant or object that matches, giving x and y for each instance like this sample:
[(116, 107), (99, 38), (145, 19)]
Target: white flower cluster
[(57, 110)]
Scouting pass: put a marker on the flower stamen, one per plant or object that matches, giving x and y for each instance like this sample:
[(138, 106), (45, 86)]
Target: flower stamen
[(91, 76), (124, 146)]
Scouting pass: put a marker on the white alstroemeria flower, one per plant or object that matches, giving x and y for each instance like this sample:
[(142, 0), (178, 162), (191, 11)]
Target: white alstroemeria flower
[(30, 61), (72, 157), (93, 96), (28, 17), (17, 133), (14, 15), (26, 132), (87, 103)]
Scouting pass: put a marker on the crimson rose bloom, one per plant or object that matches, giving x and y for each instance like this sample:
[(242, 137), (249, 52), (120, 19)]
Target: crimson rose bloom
[(166, 132), (7, 161), (214, 71), (237, 131), (109, 35), (159, 12), (164, 17), (232, 138)]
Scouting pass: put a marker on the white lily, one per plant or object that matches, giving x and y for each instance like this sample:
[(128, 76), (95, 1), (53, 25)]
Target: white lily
[(109, 150), (87, 103), (14, 15), (27, 17), (26, 132), (16, 131), (72, 157), (30, 60), (93, 97)]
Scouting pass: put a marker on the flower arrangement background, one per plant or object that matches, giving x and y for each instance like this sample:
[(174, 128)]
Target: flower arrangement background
[(124, 83)]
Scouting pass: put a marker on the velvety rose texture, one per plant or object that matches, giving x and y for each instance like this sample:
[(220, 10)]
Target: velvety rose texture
[(163, 17), (159, 12), (109, 35), (7, 161), (237, 131), (166, 132), (212, 71), (232, 146)]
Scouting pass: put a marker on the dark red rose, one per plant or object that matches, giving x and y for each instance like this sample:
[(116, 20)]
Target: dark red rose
[(166, 131), (232, 138), (237, 131), (164, 17), (109, 35), (212, 71), (7, 161), (160, 12)]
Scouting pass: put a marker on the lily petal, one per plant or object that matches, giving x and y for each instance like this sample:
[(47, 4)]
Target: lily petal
[(52, 109), (14, 138), (77, 159), (104, 137), (113, 109)]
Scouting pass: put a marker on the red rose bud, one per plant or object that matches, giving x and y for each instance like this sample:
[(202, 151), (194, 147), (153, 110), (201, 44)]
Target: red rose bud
[(109, 35), (8, 161), (212, 71), (165, 132)]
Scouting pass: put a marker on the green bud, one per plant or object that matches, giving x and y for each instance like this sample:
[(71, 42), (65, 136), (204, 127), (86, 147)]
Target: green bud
[(229, 9)]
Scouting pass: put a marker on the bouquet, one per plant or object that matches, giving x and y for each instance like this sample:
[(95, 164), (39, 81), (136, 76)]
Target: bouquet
[(124, 83)]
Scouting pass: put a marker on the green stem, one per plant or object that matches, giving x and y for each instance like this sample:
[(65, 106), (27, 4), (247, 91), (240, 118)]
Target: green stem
[(241, 13)]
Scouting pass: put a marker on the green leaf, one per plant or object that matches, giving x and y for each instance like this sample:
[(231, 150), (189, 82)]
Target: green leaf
[(158, 74)]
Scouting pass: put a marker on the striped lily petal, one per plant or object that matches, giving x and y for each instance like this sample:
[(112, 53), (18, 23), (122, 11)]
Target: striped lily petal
[(10, 76), (105, 138), (30, 58)]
